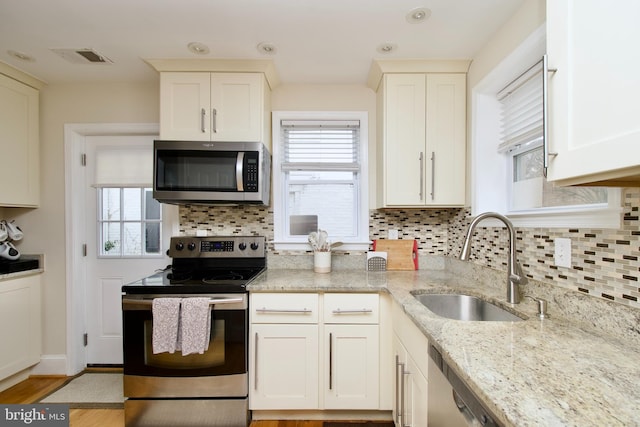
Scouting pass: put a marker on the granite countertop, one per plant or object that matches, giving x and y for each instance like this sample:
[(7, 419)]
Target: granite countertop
[(558, 371), (6, 274)]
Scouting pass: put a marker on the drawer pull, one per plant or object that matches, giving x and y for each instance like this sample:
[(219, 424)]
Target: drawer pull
[(358, 311), (264, 310)]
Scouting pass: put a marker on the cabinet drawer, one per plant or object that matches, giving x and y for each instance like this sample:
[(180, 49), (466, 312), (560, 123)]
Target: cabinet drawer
[(284, 308), (351, 308)]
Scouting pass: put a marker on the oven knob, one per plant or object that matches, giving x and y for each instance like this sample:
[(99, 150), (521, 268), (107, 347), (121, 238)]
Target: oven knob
[(191, 246), (242, 246), (254, 246), (179, 246)]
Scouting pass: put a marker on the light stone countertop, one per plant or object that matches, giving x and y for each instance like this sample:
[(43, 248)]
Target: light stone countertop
[(560, 371)]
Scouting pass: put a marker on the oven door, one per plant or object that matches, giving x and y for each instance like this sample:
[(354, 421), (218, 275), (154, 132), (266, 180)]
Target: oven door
[(221, 371)]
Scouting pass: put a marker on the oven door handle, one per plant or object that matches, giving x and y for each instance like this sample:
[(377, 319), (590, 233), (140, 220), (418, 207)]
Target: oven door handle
[(148, 302)]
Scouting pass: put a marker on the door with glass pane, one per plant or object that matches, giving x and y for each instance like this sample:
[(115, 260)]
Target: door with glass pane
[(126, 235)]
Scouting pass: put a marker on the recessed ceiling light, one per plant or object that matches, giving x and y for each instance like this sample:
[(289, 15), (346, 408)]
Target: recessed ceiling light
[(21, 56), (387, 48), (198, 48), (417, 15), (266, 48)]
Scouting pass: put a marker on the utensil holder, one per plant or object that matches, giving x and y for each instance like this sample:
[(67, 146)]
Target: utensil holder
[(322, 262)]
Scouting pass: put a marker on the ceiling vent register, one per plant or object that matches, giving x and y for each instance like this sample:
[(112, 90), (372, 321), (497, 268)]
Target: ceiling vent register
[(82, 56)]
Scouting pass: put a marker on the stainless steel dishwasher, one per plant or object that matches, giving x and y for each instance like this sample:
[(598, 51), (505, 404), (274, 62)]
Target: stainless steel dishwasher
[(451, 402)]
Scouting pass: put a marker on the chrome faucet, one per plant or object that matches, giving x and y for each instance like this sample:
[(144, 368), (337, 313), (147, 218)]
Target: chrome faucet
[(515, 276)]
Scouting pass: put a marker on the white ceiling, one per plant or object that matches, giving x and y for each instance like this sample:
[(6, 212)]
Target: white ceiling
[(317, 41)]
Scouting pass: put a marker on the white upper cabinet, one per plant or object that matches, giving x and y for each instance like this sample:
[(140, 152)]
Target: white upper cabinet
[(201, 106), (593, 95), (19, 144), (423, 140)]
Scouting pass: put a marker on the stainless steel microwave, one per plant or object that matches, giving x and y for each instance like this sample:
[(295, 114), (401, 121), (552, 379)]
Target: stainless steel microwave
[(203, 172)]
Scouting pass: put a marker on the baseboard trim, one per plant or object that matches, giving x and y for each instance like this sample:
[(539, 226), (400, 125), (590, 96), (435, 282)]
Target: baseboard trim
[(313, 415), (51, 364)]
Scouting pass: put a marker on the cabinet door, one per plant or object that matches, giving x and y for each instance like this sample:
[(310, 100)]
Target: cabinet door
[(416, 396), (20, 328), (185, 108), (446, 140), (404, 139), (19, 144), (593, 104), (237, 105), (283, 371), (351, 370)]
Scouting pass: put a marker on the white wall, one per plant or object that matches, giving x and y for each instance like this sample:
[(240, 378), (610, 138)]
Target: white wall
[(530, 16), (44, 227)]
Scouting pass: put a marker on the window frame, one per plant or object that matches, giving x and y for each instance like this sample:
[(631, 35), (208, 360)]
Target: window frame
[(490, 169), (300, 243), (100, 222)]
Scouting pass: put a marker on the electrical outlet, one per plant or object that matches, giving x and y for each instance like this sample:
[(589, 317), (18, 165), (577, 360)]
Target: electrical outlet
[(562, 253), (393, 234)]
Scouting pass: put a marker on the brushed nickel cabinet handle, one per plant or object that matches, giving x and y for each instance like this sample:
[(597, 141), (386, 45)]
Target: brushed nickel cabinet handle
[(203, 113), (214, 120), (264, 310), (545, 115), (398, 392), (330, 361), (433, 175), (421, 160), (357, 311), (255, 363)]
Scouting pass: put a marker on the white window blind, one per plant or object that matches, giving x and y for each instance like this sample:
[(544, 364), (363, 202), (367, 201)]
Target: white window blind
[(325, 145), (522, 113), (124, 166)]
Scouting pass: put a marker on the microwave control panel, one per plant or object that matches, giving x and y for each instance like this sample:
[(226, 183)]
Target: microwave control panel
[(251, 171)]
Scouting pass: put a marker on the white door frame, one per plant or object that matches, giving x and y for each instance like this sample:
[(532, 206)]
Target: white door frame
[(75, 230)]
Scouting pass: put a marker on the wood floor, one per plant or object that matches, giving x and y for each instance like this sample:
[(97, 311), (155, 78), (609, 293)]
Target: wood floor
[(36, 387)]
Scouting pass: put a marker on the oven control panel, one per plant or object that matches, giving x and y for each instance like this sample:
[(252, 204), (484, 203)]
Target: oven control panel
[(217, 247)]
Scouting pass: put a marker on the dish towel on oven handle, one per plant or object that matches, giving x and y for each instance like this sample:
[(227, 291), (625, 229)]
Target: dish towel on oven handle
[(195, 325), (166, 320)]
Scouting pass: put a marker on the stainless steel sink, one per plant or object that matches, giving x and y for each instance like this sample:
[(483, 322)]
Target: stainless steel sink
[(465, 307)]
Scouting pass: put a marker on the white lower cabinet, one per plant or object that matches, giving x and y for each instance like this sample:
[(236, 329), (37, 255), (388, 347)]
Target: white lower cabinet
[(410, 361), (410, 408), (20, 327), (281, 377), (351, 379), (314, 351)]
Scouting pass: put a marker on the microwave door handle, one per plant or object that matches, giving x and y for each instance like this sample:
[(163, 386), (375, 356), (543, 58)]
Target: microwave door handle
[(239, 171)]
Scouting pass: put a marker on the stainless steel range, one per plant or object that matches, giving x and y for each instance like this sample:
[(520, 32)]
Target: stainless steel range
[(208, 389)]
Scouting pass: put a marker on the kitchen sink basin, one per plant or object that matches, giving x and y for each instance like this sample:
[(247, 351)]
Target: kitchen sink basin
[(465, 307)]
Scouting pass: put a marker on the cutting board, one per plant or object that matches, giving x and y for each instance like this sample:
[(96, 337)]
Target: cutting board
[(401, 254)]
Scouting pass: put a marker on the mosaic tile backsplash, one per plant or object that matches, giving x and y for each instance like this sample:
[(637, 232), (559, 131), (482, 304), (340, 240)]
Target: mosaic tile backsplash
[(604, 261)]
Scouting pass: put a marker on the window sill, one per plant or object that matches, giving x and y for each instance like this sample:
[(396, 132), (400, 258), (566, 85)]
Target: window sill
[(583, 218)]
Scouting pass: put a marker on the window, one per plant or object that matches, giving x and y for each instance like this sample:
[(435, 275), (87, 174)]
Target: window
[(129, 219), (320, 178), (507, 152), (522, 139), (129, 223)]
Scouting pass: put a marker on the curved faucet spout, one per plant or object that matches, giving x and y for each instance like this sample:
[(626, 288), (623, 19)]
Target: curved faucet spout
[(515, 276)]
